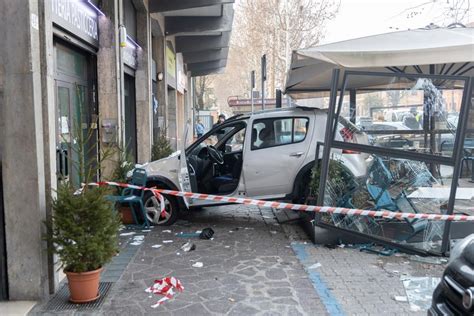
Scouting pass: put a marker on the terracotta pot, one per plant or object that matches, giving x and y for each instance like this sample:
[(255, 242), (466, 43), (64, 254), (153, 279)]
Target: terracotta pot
[(83, 287), (126, 214)]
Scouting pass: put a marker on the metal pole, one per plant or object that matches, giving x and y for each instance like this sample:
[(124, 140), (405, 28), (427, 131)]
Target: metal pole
[(252, 86), (264, 77)]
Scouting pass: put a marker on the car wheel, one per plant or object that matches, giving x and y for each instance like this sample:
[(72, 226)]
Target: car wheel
[(153, 209), (302, 191)]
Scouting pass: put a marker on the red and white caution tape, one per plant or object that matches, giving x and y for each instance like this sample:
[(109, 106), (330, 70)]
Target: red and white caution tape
[(165, 287), (291, 206)]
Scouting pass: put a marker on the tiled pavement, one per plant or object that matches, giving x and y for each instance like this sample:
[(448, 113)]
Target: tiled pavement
[(254, 265)]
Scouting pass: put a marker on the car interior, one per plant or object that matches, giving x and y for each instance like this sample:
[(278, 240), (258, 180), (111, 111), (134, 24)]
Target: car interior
[(215, 160)]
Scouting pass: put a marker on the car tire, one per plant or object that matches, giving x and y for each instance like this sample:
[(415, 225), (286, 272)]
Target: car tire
[(153, 207), (302, 189)]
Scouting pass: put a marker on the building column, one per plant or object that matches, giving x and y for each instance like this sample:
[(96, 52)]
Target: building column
[(23, 156), (159, 55), (109, 76), (143, 87)]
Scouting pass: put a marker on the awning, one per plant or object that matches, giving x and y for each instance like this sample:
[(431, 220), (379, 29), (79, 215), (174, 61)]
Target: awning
[(449, 51), (201, 29)]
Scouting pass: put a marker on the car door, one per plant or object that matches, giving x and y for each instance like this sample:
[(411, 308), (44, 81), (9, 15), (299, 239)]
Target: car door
[(278, 147), (186, 173)]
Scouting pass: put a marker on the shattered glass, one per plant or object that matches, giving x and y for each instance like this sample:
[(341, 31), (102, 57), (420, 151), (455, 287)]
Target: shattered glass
[(406, 114)]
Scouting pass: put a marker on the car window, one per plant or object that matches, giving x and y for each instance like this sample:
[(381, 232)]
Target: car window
[(278, 131), (214, 137), (235, 142)]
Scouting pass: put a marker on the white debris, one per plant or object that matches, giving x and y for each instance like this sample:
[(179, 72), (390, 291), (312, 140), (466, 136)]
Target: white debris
[(400, 298), (156, 246), (198, 265), (198, 231), (273, 232), (146, 230), (226, 246), (166, 231), (315, 266), (127, 234), (167, 241)]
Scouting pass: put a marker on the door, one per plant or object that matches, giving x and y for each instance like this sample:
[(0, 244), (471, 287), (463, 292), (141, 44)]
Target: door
[(76, 135), (130, 117), (278, 147)]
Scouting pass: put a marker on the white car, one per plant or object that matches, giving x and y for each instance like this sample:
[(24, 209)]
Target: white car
[(267, 155)]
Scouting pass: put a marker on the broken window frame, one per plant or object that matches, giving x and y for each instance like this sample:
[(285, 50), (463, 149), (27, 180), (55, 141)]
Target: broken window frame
[(454, 161)]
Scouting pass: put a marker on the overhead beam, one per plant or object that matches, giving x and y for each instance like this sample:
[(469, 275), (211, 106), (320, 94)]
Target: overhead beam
[(173, 5), (186, 44), (205, 55), (198, 73), (207, 65), (175, 25)]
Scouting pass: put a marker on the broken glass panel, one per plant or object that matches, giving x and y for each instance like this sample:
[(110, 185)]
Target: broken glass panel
[(398, 185)]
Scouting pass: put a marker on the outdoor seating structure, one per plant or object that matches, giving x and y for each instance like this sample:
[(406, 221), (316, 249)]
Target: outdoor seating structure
[(134, 197), (411, 169)]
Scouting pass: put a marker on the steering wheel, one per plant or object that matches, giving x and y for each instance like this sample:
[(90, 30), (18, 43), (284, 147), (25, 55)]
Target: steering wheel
[(215, 155)]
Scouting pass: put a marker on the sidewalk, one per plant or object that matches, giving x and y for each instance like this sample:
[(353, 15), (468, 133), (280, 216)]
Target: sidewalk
[(253, 266)]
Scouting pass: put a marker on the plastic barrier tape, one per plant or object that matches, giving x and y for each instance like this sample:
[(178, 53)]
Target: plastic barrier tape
[(165, 287), (295, 207)]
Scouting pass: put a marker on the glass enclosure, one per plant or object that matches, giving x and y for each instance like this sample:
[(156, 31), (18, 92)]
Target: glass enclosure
[(417, 150)]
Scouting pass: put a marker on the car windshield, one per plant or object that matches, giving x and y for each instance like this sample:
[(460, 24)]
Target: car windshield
[(212, 138)]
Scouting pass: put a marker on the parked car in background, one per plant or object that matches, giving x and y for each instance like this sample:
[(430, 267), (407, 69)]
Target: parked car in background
[(266, 155), (454, 295)]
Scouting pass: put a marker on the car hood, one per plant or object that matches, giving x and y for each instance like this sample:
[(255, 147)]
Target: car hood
[(167, 167)]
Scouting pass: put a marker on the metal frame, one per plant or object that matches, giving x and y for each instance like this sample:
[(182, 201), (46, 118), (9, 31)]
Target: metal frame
[(3, 248), (454, 160)]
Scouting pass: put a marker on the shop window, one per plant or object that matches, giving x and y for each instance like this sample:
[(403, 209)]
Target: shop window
[(130, 18)]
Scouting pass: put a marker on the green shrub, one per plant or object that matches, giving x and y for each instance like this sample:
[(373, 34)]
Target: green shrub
[(84, 228), (161, 148), (339, 179)]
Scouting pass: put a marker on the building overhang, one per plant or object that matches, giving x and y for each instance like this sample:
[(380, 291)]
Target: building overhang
[(201, 29)]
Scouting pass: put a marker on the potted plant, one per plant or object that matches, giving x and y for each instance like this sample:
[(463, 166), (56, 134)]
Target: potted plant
[(83, 227), (122, 166), (84, 236)]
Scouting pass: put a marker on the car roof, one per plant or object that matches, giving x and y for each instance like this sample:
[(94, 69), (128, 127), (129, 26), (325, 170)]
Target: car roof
[(279, 111)]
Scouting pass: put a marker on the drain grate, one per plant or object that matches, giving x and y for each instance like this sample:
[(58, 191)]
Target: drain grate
[(60, 301)]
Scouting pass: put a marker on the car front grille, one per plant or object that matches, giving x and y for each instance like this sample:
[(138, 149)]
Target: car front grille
[(453, 292)]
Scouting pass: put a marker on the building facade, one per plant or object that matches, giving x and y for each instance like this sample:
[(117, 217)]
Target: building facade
[(122, 69)]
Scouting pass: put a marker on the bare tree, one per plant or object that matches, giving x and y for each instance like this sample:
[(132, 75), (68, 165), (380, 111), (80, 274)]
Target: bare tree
[(450, 11), (204, 91), (274, 28)]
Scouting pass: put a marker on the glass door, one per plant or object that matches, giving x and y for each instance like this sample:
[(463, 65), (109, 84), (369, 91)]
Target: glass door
[(76, 134)]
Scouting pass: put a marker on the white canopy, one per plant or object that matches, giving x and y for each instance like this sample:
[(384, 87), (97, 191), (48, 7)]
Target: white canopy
[(451, 50)]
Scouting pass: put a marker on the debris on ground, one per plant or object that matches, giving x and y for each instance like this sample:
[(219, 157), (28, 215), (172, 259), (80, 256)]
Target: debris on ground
[(137, 240), (400, 298), (206, 233), (166, 231), (167, 241), (128, 234), (188, 235), (165, 287), (315, 266), (156, 246), (273, 232), (419, 291), (231, 300), (146, 230), (188, 247), (198, 265), (430, 260)]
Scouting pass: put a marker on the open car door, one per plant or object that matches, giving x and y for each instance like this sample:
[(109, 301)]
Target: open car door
[(187, 175)]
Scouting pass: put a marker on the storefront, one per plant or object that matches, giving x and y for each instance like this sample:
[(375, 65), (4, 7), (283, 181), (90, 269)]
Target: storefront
[(129, 59), (75, 31), (172, 111)]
